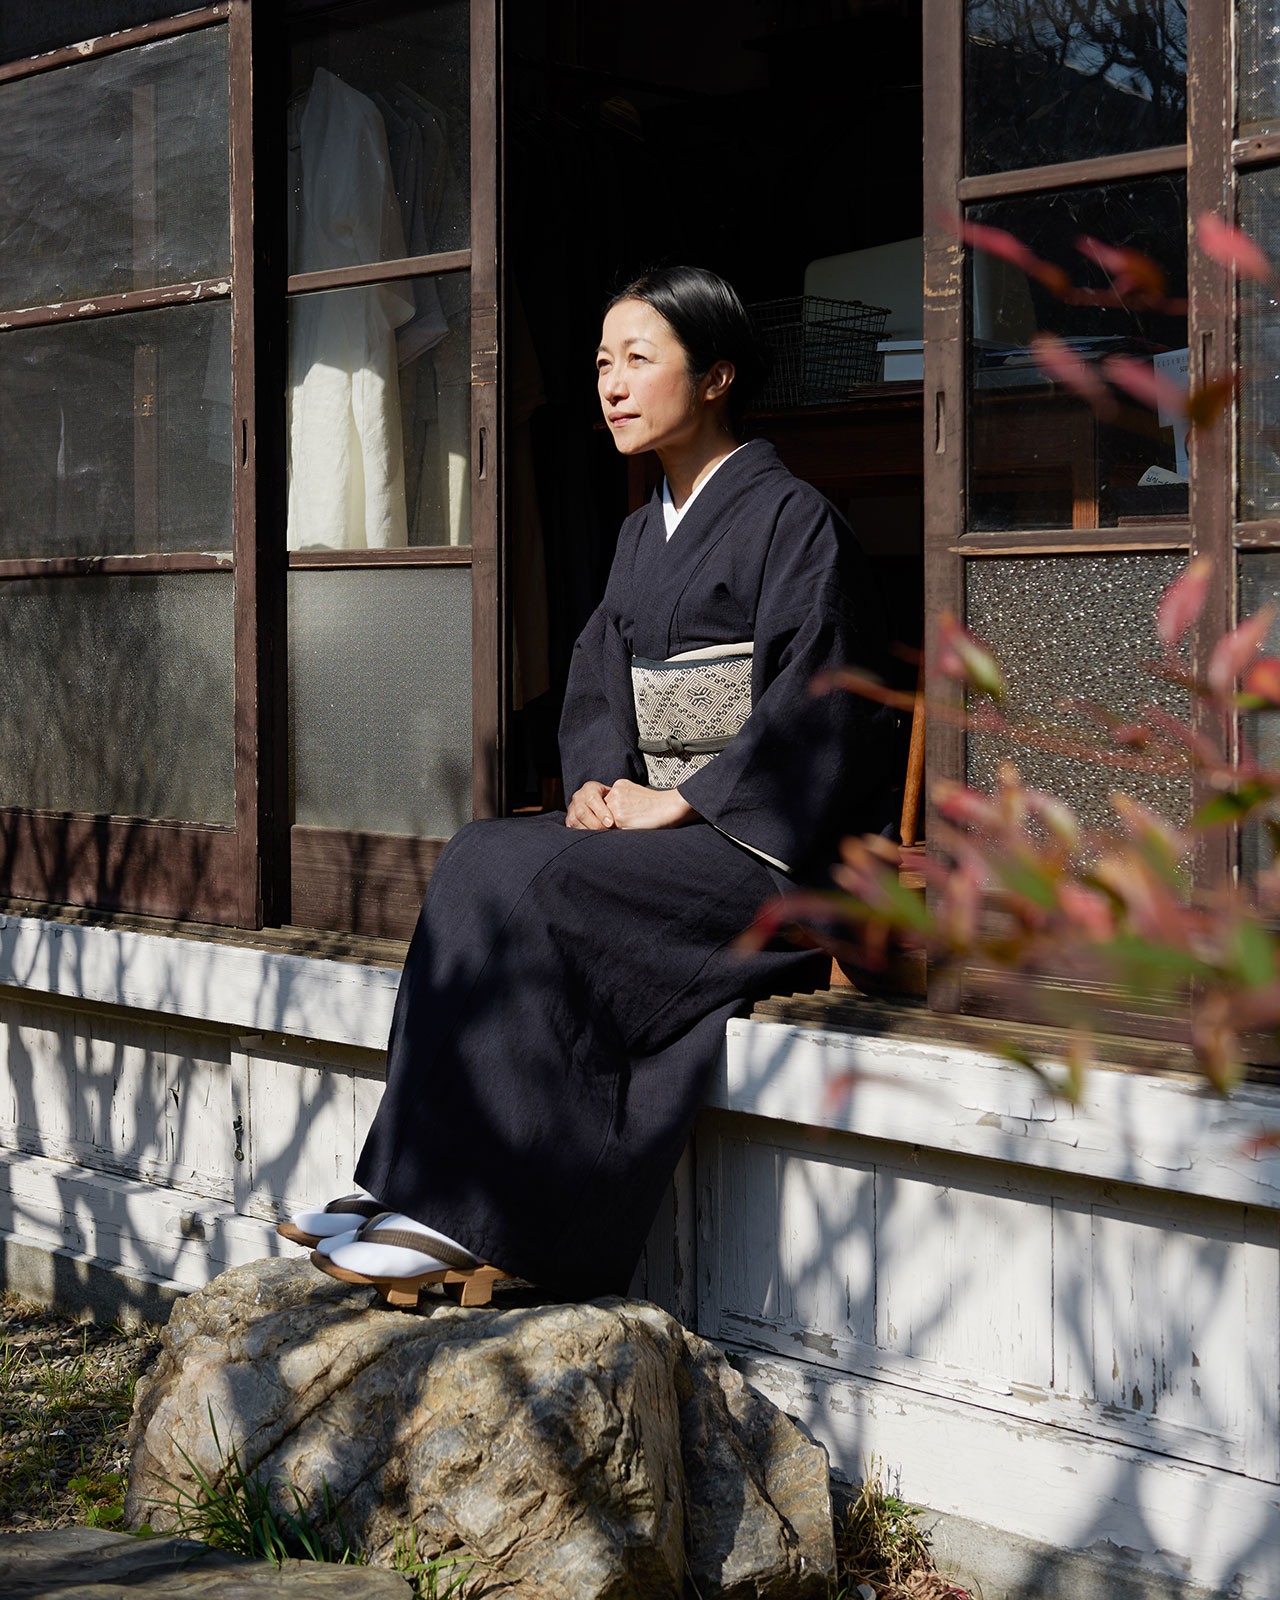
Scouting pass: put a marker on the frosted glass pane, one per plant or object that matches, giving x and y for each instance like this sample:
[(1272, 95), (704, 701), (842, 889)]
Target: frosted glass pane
[(115, 434), (379, 407), (1063, 80), (1259, 406), (1080, 626), (1259, 575), (117, 172), (380, 699), (117, 696), (379, 135), (1258, 30)]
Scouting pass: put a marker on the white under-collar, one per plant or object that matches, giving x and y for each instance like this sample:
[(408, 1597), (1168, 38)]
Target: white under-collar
[(670, 515)]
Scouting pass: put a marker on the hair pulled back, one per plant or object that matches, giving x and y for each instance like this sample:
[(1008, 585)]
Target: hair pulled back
[(706, 315)]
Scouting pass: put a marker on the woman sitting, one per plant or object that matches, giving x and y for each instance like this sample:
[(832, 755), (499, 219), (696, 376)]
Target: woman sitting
[(566, 991)]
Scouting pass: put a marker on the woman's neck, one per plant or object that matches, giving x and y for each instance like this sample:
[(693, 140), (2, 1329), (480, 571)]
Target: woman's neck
[(687, 468)]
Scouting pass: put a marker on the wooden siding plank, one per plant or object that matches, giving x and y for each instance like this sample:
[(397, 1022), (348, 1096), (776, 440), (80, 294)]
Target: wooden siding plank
[(1161, 1133)]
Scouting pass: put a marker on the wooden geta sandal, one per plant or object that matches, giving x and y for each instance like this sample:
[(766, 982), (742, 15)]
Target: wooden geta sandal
[(469, 1286), (361, 1208)]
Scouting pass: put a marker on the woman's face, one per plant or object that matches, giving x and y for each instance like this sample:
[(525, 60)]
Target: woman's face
[(643, 379)]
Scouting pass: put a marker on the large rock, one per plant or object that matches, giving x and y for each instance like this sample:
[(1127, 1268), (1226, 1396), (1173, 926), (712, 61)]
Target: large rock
[(92, 1564), (580, 1450)]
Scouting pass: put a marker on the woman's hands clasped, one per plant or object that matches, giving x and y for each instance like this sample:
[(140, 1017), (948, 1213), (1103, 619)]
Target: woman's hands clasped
[(627, 805)]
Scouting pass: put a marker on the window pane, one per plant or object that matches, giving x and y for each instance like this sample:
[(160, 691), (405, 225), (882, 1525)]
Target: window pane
[(1258, 29), (1080, 626), (1259, 575), (1259, 404), (117, 696), (1040, 456), (1063, 80), (116, 173), (380, 136), (115, 434), (380, 415), (380, 699)]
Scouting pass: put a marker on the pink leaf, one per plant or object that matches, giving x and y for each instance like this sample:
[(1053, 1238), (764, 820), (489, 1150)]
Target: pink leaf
[(1141, 380), (1231, 247), (1235, 650), (963, 655), (1057, 360), (1262, 680), (996, 242), (1182, 602), (1130, 269)]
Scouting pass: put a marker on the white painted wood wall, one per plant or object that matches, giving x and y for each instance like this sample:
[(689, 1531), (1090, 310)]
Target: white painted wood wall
[(1061, 1322)]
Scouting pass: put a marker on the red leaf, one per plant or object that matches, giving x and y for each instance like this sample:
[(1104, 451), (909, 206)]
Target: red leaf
[(1130, 269), (1141, 380), (1206, 404), (996, 242), (1262, 678), (1182, 602), (1231, 247), (1235, 650), (1066, 366)]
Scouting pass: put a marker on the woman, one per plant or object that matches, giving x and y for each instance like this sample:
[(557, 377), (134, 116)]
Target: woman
[(568, 983)]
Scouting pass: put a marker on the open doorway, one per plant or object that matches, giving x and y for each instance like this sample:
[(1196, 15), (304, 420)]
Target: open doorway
[(775, 141)]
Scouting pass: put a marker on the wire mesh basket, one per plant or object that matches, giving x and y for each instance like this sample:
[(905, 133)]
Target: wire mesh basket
[(820, 350)]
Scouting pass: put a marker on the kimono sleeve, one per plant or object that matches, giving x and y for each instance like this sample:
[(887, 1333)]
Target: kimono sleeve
[(805, 769), (598, 725)]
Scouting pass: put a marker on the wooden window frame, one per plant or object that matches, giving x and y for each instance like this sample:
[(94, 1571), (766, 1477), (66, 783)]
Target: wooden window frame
[(1209, 158), (261, 871)]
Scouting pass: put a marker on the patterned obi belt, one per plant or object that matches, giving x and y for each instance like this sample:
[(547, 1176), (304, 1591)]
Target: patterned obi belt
[(689, 707)]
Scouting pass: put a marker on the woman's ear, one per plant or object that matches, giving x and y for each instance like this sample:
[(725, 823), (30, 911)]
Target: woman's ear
[(717, 381)]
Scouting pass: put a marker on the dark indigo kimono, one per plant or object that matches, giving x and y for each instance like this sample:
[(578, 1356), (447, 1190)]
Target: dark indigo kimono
[(565, 994)]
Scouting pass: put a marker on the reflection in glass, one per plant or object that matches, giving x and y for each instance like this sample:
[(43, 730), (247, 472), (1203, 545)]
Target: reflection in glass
[(380, 699), (1258, 30), (380, 415), (1259, 403), (117, 173), (117, 696), (1039, 455), (1064, 80), (115, 434), (1081, 626), (380, 136)]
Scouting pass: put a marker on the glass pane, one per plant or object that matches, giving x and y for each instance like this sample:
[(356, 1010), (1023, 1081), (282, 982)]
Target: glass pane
[(1040, 456), (117, 696), (380, 699), (1079, 626), (1259, 574), (380, 415), (380, 136), (115, 434), (1258, 30), (1259, 403), (1063, 80), (117, 173)]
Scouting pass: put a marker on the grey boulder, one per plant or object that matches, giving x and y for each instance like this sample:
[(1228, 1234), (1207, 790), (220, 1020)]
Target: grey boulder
[(596, 1449)]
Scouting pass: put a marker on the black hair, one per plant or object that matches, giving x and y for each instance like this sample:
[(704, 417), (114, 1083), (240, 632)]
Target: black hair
[(710, 321)]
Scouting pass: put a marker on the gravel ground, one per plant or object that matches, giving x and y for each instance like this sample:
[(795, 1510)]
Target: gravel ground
[(66, 1391)]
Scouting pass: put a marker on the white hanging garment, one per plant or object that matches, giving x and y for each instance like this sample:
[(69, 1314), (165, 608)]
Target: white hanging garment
[(346, 450)]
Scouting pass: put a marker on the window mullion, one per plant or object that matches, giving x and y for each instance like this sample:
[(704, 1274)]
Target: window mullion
[(944, 432), (1210, 125), (258, 269)]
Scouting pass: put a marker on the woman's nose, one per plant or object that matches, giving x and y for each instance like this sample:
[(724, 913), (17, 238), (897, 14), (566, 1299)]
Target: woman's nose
[(613, 385)]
